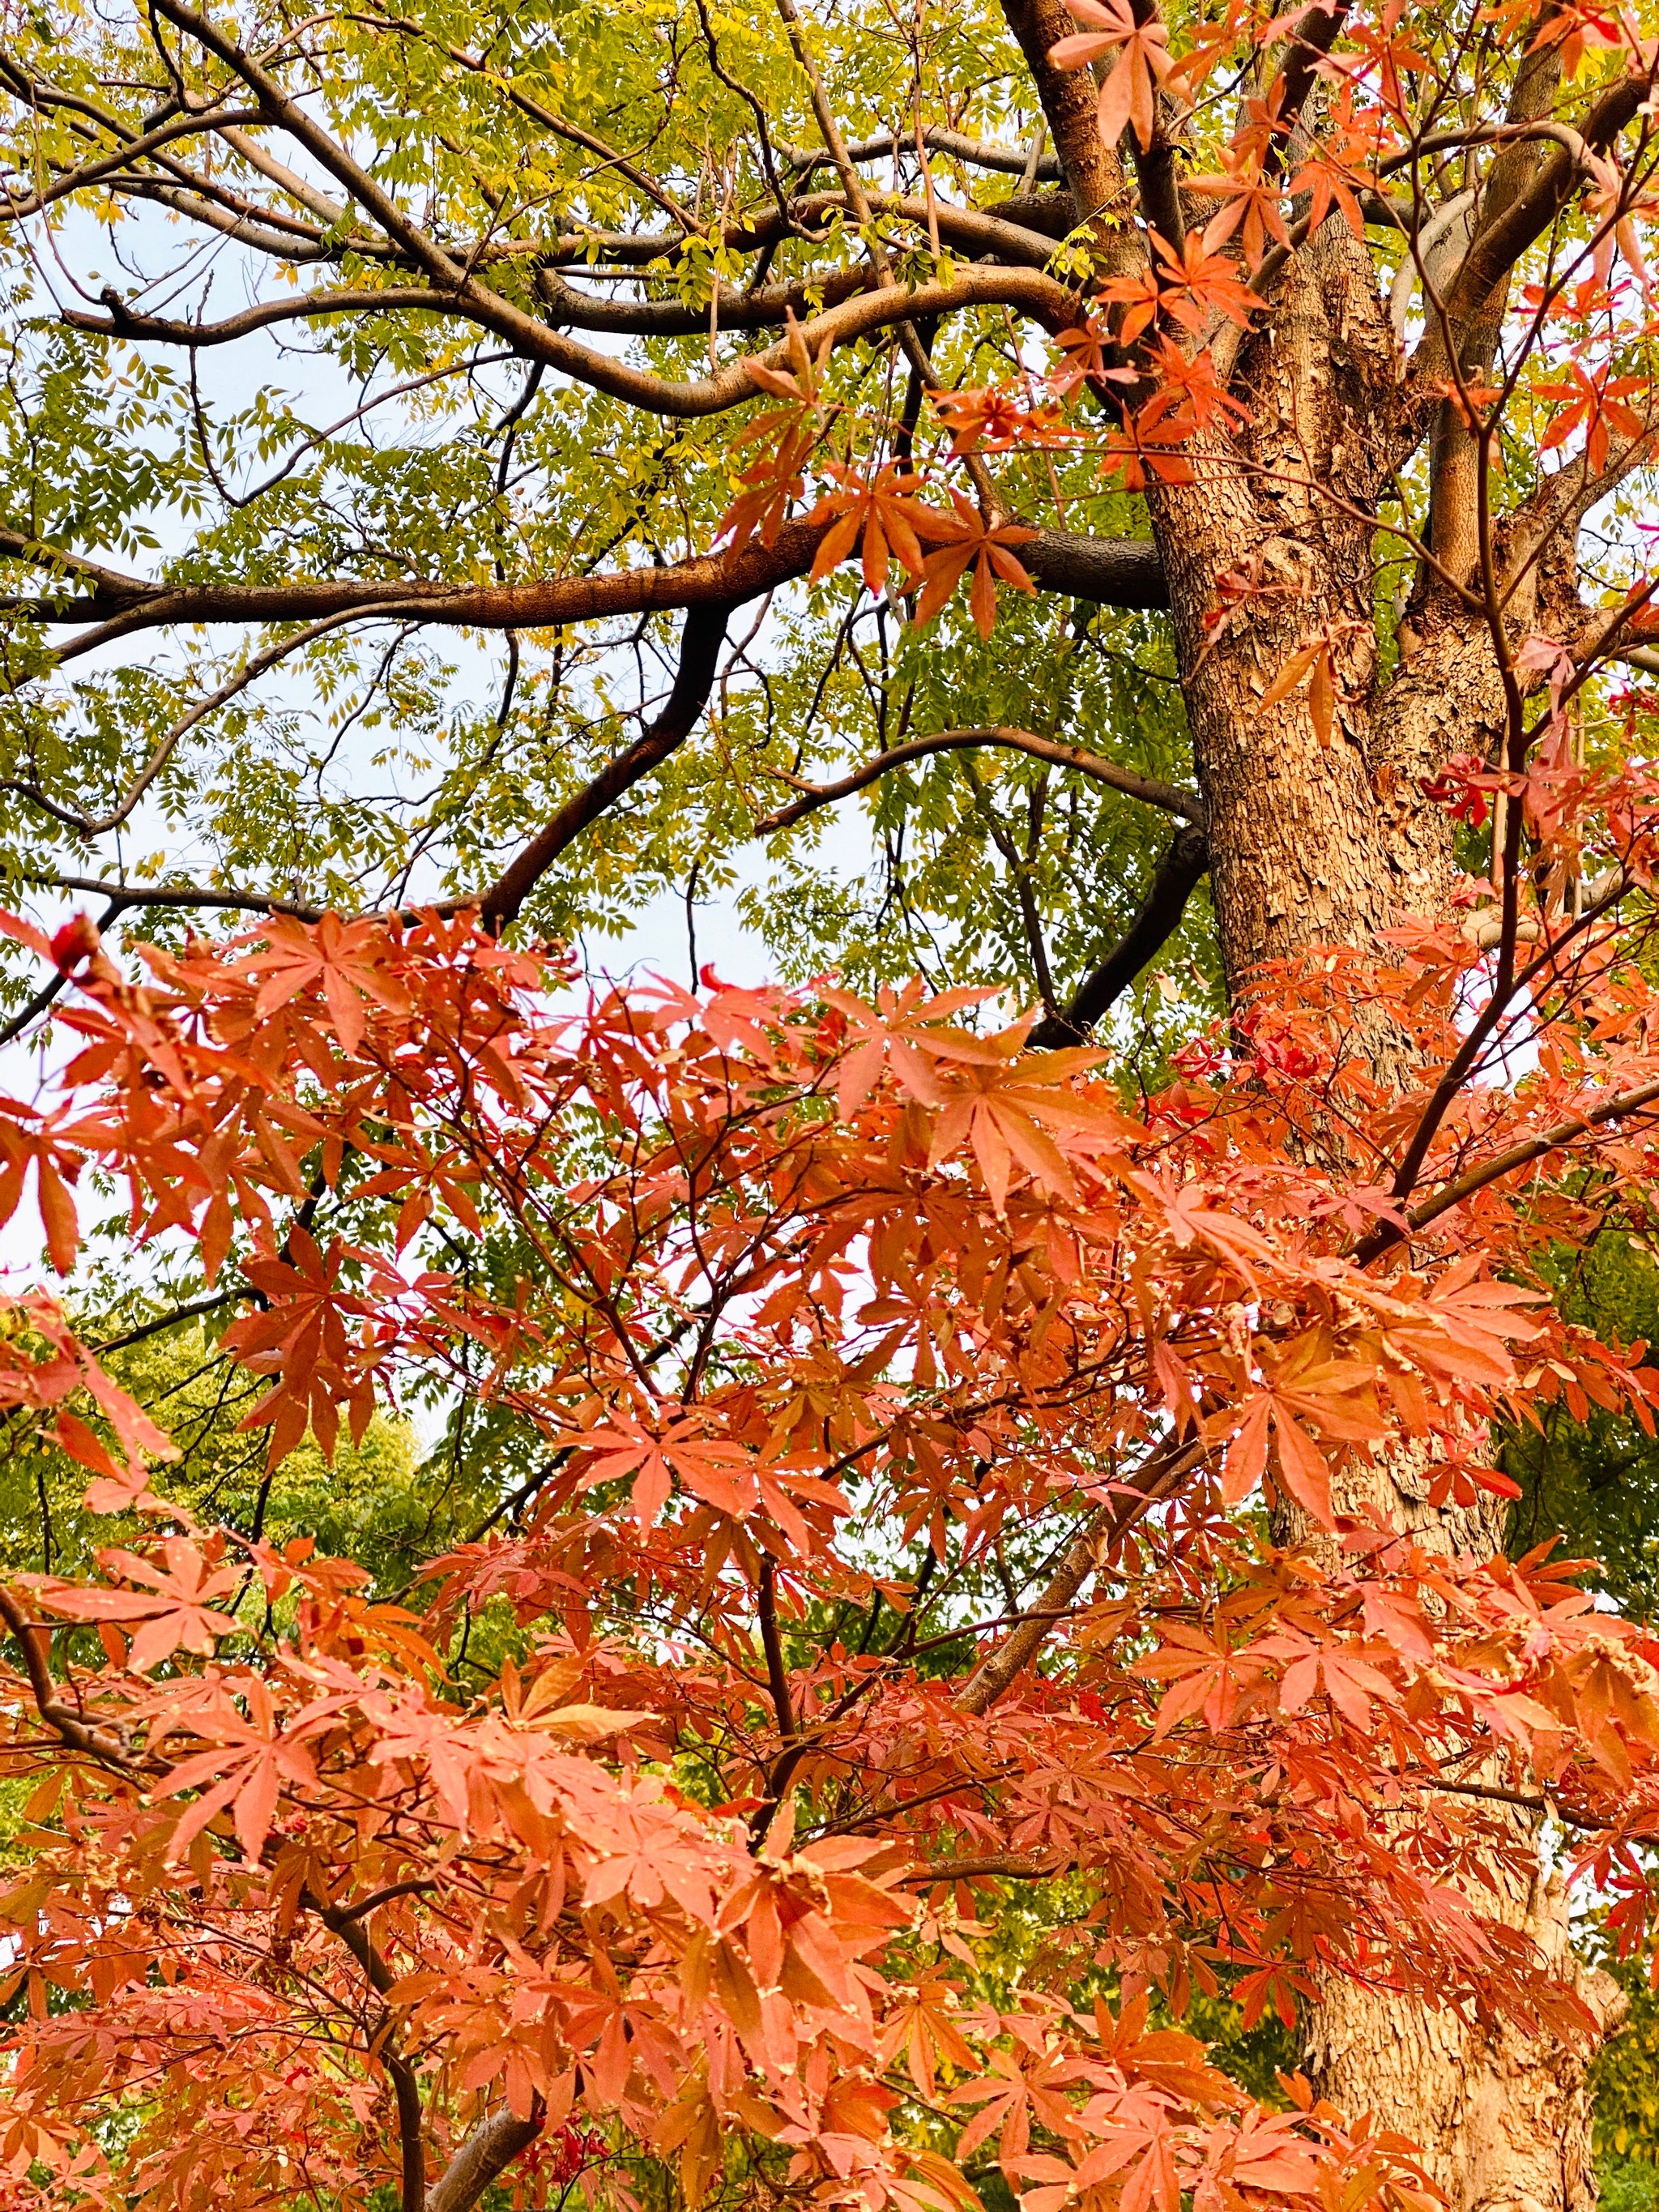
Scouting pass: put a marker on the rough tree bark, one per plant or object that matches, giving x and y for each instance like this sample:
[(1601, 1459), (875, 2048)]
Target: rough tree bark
[(1313, 842)]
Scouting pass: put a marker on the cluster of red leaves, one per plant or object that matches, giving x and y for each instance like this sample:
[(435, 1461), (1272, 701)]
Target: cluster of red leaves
[(771, 1272)]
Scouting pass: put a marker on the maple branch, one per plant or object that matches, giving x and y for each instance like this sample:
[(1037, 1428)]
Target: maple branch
[(485, 2153), (1523, 1801), (1020, 1865), (1520, 1155), (406, 2090), (35, 1640), (1012, 1866), (1161, 1473), (777, 1671), (1506, 988), (699, 644), (413, 1888), (1156, 921), (1169, 797), (32, 1010)]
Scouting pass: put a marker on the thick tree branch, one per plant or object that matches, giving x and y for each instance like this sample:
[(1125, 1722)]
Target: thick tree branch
[(131, 149), (1310, 37), (699, 644), (1537, 199), (1110, 571), (1027, 290), (108, 583), (1068, 99), (706, 580), (483, 2157), (279, 106), (1168, 796), (1158, 917), (405, 2087), (568, 307), (990, 233), (1163, 1474)]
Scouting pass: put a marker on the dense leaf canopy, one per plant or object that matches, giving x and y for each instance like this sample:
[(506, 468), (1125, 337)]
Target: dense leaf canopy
[(570, 1551)]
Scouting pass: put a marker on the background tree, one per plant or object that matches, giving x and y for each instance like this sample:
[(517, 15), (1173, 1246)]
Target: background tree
[(1350, 327)]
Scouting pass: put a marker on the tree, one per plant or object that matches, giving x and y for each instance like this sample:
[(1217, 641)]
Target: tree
[(1351, 310), (685, 1858)]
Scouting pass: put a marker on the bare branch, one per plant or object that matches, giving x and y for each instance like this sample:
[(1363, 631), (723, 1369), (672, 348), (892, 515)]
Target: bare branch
[(98, 825), (568, 306), (1166, 796), (1046, 302), (1158, 917), (699, 644), (973, 153)]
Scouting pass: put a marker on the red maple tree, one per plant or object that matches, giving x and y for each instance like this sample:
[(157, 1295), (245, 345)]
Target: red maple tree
[(700, 1873)]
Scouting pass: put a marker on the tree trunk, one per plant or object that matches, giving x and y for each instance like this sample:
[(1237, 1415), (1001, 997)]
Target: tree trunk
[(1313, 841)]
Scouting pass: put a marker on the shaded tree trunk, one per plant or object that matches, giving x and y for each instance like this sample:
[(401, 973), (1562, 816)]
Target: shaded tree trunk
[(1313, 841)]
